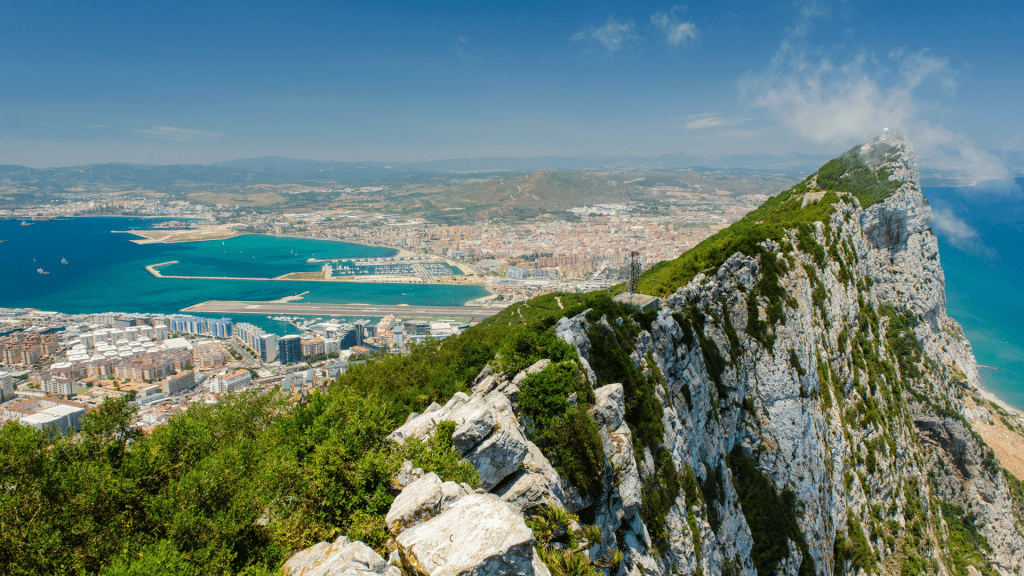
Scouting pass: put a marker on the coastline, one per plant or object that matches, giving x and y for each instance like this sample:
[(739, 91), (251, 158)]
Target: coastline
[(990, 397), (399, 252)]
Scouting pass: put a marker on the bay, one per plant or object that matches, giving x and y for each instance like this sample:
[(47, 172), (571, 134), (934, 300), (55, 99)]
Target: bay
[(106, 272)]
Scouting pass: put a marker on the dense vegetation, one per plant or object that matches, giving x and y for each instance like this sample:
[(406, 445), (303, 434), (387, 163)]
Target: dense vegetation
[(229, 488)]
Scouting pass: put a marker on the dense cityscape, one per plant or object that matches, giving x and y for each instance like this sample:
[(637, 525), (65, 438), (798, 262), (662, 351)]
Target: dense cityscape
[(54, 367)]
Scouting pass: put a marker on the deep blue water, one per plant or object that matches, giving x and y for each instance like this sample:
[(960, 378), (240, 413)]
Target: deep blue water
[(983, 258), (106, 272)]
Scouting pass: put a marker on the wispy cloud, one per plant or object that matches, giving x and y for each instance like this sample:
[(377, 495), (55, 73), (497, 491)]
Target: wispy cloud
[(959, 233), (613, 35), (827, 99), (710, 120), (676, 32), (178, 134)]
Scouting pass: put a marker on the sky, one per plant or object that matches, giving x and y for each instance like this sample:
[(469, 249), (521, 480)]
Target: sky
[(180, 82)]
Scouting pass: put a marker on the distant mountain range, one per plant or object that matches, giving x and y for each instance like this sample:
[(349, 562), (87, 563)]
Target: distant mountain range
[(306, 168), (279, 170)]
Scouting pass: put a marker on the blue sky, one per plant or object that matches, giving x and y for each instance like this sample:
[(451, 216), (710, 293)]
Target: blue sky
[(174, 82)]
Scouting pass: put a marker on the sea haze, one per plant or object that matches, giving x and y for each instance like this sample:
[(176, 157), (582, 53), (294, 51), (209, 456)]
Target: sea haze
[(106, 272), (981, 242)]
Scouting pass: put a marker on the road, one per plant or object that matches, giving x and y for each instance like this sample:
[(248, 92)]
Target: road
[(350, 310)]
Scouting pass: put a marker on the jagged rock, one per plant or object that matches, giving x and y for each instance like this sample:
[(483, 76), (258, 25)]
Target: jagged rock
[(478, 535), (537, 484), (501, 453), (422, 499), (609, 406), (340, 558), (486, 432), (573, 330)]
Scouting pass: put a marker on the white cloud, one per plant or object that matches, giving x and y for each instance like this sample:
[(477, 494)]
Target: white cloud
[(710, 120), (675, 32), (178, 134), (613, 35), (828, 100), (959, 233)]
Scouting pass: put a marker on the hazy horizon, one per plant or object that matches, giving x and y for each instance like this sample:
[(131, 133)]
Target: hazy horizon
[(402, 82)]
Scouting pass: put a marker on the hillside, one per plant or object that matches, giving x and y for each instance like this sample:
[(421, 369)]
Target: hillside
[(799, 404)]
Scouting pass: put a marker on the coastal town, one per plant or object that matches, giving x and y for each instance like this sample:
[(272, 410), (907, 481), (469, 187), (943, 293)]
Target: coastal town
[(54, 367), (587, 248)]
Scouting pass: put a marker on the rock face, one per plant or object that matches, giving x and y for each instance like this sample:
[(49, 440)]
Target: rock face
[(842, 417)]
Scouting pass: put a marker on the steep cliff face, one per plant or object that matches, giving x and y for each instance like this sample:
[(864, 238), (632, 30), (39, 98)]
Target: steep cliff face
[(795, 409)]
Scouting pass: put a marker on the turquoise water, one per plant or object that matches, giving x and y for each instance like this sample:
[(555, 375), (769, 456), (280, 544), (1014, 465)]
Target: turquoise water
[(106, 272), (984, 277)]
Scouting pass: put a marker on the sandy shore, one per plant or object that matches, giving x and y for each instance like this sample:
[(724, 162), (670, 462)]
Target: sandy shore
[(998, 402), (402, 252)]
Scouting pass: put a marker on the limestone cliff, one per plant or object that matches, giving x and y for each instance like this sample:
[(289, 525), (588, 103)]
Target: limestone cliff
[(810, 390)]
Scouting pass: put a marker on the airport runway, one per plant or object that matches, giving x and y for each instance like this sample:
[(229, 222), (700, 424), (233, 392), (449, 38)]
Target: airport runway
[(313, 309)]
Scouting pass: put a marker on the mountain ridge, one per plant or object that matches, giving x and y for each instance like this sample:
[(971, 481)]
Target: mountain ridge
[(807, 391)]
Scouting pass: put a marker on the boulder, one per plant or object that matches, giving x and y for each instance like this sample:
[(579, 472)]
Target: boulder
[(538, 483), (609, 406), (477, 535), (421, 500), (341, 558)]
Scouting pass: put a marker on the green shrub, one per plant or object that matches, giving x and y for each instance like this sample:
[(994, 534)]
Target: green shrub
[(659, 493), (612, 363), (544, 396), (853, 547), (439, 456), (965, 545), (573, 445), (524, 346)]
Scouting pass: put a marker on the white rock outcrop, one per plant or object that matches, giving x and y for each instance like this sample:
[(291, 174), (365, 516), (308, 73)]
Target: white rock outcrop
[(479, 535)]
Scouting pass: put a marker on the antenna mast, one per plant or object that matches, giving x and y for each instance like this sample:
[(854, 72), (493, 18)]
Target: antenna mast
[(634, 272)]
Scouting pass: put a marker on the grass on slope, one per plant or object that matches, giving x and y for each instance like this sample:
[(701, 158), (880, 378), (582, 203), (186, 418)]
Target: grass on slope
[(848, 173)]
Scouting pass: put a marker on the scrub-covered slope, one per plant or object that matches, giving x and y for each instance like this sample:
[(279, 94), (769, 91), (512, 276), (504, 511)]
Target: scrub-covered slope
[(794, 407)]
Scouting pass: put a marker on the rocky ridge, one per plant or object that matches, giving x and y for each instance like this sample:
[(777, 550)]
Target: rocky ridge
[(810, 401)]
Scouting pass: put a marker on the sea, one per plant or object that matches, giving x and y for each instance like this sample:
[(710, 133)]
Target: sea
[(981, 246), (105, 271)]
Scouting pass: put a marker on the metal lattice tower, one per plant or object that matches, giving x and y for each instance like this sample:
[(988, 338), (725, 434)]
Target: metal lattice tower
[(634, 271)]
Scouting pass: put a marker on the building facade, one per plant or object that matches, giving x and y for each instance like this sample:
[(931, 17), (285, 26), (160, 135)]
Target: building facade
[(289, 349)]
